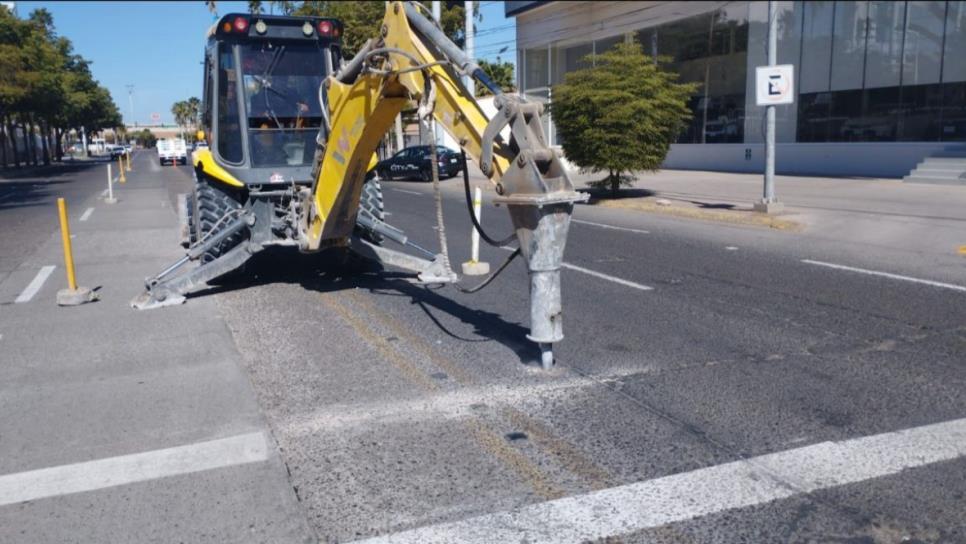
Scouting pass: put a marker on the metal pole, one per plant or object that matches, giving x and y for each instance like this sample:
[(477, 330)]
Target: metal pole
[(769, 192), (474, 267), (470, 50), (110, 186), (65, 239), (130, 98), (477, 211), (438, 16)]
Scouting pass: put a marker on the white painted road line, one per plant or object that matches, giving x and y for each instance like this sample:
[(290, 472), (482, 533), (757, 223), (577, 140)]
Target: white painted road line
[(612, 227), (596, 274), (407, 192), (87, 214), (606, 277), (128, 469), (887, 275), (35, 284), (740, 484)]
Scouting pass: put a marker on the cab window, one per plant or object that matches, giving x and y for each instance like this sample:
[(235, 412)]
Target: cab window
[(229, 125)]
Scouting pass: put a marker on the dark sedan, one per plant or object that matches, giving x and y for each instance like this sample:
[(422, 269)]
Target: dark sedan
[(414, 163)]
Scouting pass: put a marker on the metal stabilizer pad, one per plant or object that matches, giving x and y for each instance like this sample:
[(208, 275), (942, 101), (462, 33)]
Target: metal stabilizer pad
[(438, 272), (145, 301)]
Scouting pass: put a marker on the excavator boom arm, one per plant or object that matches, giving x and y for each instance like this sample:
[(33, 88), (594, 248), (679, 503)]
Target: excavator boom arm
[(413, 60)]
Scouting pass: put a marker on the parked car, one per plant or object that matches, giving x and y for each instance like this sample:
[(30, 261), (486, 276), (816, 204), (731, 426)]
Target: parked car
[(171, 150), (413, 163), (116, 151)]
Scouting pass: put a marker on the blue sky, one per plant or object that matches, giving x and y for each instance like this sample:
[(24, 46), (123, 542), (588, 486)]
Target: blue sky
[(158, 46)]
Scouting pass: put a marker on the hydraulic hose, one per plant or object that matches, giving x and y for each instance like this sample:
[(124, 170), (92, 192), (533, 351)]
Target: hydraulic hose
[(469, 206), (491, 277)]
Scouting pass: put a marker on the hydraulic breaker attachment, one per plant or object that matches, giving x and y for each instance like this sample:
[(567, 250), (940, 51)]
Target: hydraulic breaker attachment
[(166, 292), (540, 198)]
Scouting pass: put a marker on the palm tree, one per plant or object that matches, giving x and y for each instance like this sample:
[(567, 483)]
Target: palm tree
[(180, 111)]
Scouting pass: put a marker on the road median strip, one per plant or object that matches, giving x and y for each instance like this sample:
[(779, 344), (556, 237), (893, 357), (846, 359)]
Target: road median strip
[(675, 209)]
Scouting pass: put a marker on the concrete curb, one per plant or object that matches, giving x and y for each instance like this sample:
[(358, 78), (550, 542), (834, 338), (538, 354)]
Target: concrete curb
[(736, 217)]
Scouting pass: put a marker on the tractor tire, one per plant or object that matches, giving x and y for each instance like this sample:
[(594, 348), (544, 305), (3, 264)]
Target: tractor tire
[(211, 204), (370, 203)]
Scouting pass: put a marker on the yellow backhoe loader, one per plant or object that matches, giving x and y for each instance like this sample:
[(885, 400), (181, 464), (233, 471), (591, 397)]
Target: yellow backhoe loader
[(293, 132)]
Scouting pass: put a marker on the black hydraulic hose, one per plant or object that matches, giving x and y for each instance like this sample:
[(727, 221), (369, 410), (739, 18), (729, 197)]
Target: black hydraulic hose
[(491, 277), (469, 205)]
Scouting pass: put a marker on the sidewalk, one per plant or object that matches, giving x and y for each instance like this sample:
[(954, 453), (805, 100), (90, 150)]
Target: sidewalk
[(126, 426)]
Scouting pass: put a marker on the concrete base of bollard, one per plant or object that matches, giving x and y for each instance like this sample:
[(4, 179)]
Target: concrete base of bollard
[(75, 297), (110, 200), (474, 268), (769, 207)]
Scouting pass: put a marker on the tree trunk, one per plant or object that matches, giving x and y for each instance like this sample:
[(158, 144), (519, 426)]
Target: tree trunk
[(59, 149), (615, 183), (30, 158), (28, 130), (11, 130), (3, 139), (44, 132)]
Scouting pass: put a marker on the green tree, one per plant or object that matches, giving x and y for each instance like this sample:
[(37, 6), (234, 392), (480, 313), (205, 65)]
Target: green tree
[(620, 115), (363, 19), (45, 89), (499, 72)]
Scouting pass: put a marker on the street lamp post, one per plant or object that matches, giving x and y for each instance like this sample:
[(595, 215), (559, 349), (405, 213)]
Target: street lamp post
[(130, 99)]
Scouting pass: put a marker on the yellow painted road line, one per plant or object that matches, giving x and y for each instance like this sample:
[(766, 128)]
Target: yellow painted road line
[(399, 329), (408, 370), (566, 453)]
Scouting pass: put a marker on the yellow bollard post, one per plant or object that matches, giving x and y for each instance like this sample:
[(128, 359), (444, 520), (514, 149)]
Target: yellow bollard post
[(73, 295), (120, 165), (128, 155), (65, 238)]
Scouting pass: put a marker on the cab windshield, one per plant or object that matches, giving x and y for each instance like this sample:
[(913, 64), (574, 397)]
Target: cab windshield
[(281, 82)]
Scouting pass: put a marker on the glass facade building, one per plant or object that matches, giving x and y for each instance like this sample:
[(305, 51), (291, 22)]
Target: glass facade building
[(865, 71)]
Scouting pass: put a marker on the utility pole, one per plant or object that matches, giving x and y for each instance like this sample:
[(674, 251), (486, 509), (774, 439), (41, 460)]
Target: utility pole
[(438, 16), (130, 99), (770, 204), (469, 49)]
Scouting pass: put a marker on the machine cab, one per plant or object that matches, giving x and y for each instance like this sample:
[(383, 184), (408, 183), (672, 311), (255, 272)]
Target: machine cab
[(263, 101)]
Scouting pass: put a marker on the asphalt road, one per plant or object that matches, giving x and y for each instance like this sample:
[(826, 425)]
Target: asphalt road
[(717, 383), (398, 406)]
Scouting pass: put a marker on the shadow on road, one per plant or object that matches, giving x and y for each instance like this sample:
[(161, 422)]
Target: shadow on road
[(337, 270)]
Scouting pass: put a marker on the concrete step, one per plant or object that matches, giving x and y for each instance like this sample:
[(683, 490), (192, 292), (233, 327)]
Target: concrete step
[(939, 172), (946, 161), (918, 178)]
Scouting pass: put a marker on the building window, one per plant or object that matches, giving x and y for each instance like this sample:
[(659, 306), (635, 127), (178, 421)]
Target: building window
[(883, 56), (816, 46), (848, 45), (536, 68), (922, 52), (954, 61)]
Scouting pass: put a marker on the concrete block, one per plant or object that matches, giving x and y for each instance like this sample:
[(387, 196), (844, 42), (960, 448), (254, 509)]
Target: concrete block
[(769, 207), (476, 268), (75, 297)]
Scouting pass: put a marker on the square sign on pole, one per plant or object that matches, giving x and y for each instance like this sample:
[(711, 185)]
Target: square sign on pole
[(774, 85)]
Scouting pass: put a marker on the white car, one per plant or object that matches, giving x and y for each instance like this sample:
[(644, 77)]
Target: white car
[(171, 150)]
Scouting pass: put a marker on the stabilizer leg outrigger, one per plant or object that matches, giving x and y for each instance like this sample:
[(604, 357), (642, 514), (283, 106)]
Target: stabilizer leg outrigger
[(166, 292)]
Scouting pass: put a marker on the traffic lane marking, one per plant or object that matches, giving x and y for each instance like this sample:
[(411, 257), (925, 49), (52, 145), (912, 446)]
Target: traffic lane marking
[(127, 469), (407, 192), (601, 275), (612, 227), (35, 284), (87, 214), (680, 497), (889, 275)]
